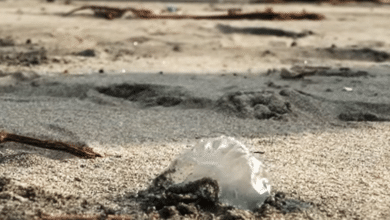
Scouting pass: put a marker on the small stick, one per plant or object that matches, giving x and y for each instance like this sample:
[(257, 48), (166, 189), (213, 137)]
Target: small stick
[(84, 217), (81, 151), (233, 14), (259, 152)]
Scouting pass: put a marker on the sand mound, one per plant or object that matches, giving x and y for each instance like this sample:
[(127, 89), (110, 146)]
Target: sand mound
[(260, 105)]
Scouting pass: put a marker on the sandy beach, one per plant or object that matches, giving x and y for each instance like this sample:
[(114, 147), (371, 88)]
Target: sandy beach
[(312, 95)]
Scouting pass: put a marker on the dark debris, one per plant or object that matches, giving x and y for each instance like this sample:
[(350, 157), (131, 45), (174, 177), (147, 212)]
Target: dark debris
[(201, 198)]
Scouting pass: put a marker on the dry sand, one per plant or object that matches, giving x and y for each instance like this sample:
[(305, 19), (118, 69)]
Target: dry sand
[(166, 84)]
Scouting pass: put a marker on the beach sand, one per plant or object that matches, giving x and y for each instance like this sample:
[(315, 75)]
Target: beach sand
[(146, 90)]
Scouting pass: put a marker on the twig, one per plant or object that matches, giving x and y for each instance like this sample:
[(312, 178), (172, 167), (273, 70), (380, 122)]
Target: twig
[(112, 12), (232, 14), (81, 151), (258, 152), (85, 217)]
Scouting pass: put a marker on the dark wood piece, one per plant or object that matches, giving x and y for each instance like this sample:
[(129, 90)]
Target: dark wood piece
[(268, 14), (81, 151)]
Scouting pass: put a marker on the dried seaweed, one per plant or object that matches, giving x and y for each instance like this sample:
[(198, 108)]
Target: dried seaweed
[(111, 12), (268, 14), (85, 217)]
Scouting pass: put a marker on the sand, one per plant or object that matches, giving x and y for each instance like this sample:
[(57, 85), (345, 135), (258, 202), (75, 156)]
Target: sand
[(148, 89)]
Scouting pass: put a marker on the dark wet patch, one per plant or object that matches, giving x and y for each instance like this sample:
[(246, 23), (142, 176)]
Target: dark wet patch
[(366, 54), (360, 116), (299, 72), (86, 53), (149, 95), (227, 29)]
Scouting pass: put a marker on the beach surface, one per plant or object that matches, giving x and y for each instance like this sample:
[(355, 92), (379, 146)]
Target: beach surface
[(312, 96)]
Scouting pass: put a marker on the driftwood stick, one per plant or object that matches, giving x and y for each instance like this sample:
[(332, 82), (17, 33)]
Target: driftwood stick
[(81, 151), (84, 217), (77, 9), (233, 14)]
